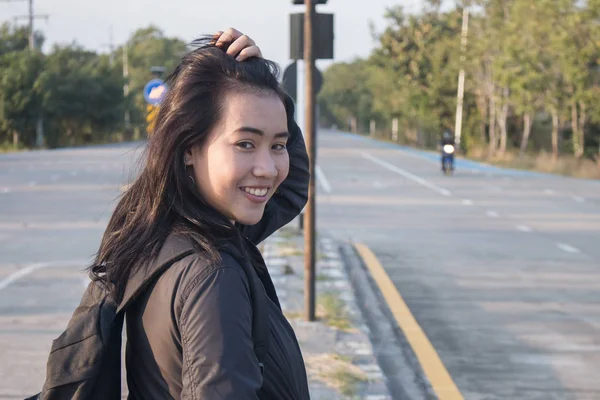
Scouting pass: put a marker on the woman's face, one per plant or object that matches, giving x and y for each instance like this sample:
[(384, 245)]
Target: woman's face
[(244, 158)]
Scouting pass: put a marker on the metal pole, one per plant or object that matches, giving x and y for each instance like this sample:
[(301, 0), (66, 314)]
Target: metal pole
[(31, 33), (461, 76), (311, 144), (126, 86)]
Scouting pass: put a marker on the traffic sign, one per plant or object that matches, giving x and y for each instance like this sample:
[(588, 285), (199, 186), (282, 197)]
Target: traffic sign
[(290, 80), (155, 91)]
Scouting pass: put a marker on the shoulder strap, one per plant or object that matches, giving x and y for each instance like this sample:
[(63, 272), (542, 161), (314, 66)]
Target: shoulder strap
[(139, 283), (180, 249)]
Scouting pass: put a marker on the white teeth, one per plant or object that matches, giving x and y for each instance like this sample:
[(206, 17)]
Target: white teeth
[(256, 192)]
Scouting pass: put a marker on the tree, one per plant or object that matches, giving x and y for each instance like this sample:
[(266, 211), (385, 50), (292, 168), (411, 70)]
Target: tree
[(20, 102), (147, 47), (345, 96), (82, 96), (16, 38)]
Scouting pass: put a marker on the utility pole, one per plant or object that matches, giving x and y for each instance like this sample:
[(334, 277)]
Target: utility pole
[(32, 46), (110, 45), (30, 17), (461, 75), (126, 87), (311, 145)]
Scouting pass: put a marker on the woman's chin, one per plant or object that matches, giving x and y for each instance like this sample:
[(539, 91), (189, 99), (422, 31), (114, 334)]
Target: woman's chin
[(249, 218)]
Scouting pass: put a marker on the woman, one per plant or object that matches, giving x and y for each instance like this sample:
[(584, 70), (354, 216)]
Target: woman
[(226, 166)]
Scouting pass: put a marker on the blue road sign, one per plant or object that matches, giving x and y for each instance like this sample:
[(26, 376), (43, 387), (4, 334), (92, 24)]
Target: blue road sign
[(155, 91)]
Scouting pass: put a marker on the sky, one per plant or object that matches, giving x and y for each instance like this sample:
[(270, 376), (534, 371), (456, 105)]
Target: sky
[(266, 21)]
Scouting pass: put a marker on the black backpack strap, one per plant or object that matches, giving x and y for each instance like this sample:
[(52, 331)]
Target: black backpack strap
[(139, 283), (179, 248)]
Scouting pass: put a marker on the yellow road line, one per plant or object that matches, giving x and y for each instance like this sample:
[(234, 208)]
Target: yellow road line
[(441, 381)]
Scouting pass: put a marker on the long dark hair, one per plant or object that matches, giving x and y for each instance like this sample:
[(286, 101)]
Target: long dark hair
[(163, 198)]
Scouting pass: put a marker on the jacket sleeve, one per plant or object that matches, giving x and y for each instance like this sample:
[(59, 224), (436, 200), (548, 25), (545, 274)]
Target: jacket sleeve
[(216, 332), (292, 195)]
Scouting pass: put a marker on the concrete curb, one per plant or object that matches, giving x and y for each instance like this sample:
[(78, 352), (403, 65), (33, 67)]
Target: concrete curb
[(338, 352)]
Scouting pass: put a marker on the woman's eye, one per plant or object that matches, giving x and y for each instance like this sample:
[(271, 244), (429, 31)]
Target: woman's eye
[(279, 146), (245, 145)]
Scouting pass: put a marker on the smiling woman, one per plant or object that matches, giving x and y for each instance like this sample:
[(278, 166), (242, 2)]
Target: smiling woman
[(249, 146), (225, 167)]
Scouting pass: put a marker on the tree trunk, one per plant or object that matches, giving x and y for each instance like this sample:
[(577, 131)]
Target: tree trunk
[(581, 128), (15, 136), (555, 126), (353, 125), (492, 144), (503, 115), (526, 133), (577, 150), (481, 102)]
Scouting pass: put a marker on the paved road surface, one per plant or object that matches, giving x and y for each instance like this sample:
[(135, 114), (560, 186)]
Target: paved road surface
[(54, 206), (500, 268)]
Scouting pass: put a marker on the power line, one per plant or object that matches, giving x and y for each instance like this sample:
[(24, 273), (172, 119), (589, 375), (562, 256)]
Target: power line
[(31, 16)]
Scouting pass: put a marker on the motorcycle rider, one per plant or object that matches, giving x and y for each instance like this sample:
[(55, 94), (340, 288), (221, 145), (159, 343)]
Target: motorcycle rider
[(447, 140)]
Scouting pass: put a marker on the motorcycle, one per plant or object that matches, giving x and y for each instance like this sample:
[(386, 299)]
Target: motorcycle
[(448, 159)]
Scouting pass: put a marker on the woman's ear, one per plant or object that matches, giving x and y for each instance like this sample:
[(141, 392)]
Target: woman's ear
[(188, 157)]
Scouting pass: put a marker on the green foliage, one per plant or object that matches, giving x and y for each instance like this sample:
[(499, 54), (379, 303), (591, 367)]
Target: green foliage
[(20, 103), (78, 94), (524, 61)]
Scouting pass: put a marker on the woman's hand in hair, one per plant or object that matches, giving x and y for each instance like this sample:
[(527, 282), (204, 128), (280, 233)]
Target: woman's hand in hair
[(240, 45)]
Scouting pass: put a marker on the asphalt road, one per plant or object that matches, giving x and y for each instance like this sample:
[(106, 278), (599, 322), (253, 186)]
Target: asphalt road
[(54, 207), (500, 268)]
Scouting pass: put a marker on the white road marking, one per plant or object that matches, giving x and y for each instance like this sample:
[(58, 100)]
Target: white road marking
[(467, 202), (420, 157), (492, 214), (568, 248), (524, 228), (5, 190), (31, 184), (378, 184), (549, 191), (15, 276), (408, 175), (579, 199), (322, 179)]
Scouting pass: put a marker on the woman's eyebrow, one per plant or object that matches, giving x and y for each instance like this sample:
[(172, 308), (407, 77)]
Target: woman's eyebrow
[(259, 132)]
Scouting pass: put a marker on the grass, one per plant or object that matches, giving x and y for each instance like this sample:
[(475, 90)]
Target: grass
[(330, 308), (8, 147), (321, 277), (336, 371), (566, 165), (542, 162), (347, 380), (293, 315)]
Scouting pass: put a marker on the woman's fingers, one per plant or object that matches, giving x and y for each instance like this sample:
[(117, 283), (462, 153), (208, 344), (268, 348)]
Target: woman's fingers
[(240, 46), (230, 35), (252, 51)]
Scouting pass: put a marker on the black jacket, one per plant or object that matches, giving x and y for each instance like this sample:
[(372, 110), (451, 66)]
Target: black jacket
[(190, 335)]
